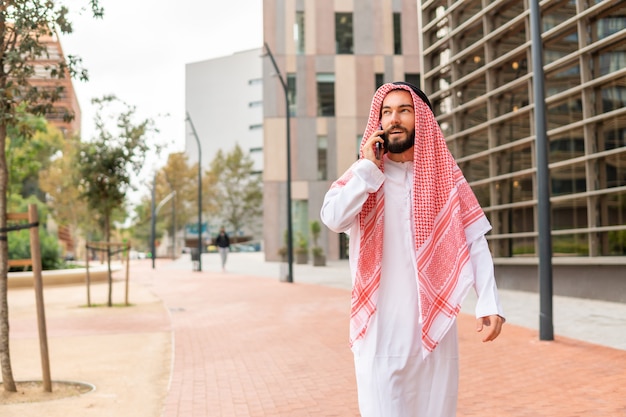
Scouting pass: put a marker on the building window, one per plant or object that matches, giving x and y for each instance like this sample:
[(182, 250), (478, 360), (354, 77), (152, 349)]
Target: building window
[(325, 94), (255, 126), (397, 34), (379, 79), (298, 33), (255, 81), (255, 104), (322, 158), (344, 38), (412, 79), (291, 93)]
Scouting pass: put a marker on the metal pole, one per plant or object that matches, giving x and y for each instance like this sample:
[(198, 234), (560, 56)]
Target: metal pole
[(546, 329), (287, 116), (195, 135)]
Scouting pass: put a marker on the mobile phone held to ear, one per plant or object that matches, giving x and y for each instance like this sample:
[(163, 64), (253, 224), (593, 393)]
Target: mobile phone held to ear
[(380, 146)]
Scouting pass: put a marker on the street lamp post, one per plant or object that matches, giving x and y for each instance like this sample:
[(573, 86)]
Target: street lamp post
[(155, 211), (195, 135), (289, 222), (546, 327)]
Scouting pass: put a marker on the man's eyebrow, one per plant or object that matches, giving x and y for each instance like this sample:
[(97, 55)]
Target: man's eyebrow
[(401, 105)]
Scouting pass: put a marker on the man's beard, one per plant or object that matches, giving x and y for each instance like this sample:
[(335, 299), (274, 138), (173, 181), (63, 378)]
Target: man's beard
[(402, 145)]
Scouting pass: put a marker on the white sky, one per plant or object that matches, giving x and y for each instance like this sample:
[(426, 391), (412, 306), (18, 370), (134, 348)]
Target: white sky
[(138, 52)]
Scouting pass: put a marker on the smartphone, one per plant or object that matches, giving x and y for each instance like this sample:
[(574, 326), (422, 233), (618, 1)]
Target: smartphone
[(381, 146)]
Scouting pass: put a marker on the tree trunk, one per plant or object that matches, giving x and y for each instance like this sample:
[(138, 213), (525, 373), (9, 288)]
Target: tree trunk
[(107, 239), (5, 357)]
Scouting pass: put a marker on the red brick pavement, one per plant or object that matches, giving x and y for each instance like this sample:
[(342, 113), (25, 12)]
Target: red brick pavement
[(249, 346)]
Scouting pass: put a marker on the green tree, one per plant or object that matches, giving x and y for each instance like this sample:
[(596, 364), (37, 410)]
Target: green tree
[(30, 146), (107, 163), (23, 26), (58, 181), (237, 189), (177, 176)]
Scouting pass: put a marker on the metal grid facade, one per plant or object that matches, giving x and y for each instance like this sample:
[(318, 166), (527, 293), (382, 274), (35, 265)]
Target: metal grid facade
[(477, 71)]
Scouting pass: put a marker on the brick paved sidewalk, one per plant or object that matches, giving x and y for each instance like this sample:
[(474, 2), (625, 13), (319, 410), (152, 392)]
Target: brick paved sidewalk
[(250, 346)]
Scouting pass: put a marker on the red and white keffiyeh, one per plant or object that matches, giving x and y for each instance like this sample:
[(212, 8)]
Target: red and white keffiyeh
[(447, 216)]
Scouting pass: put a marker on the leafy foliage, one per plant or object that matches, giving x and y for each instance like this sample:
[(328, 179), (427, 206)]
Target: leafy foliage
[(25, 27), (237, 188)]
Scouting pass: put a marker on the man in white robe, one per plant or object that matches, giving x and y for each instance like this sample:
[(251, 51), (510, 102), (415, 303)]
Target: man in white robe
[(415, 251)]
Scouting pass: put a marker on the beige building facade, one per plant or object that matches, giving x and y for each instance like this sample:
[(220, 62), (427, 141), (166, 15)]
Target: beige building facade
[(333, 55)]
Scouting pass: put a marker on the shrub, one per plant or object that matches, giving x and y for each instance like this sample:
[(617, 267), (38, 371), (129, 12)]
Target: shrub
[(19, 248)]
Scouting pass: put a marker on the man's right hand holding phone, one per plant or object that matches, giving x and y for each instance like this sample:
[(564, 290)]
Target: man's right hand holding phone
[(375, 147)]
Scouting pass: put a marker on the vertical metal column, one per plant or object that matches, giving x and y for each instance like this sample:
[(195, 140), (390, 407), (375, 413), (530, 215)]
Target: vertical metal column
[(546, 328), (195, 135), (283, 83)]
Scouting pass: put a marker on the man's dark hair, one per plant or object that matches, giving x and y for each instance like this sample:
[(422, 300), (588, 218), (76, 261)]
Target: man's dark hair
[(417, 91)]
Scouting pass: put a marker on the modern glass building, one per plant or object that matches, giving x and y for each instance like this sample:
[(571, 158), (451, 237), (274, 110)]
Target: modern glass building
[(477, 71)]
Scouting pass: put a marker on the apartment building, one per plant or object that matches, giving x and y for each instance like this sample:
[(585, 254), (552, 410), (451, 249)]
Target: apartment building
[(332, 56)]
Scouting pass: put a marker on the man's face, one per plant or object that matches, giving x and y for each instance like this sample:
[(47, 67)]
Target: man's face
[(398, 121)]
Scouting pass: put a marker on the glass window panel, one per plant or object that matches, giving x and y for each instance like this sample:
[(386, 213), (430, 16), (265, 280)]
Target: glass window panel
[(467, 10), (471, 63), (514, 37), (569, 214), (608, 60), (565, 112), (515, 159), (509, 11), (344, 36), (562, 80), (561, 46), (379, 79), (514, 128), (567, 145), (325, 94), (298, 33), (614, 209), (291, 93), (397, 34), (511, 100), (606, 26), (612, 95), (412, 79), (469, 144), (616, 242), (557, 13), (611, 133), (523, 246), (474, 116), (475, 169), (515, 190), (615, 168), (569, 179), (576, 244), (475, 88), (322, 158)]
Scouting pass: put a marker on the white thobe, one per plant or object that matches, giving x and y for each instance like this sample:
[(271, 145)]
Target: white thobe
[(393, 378)]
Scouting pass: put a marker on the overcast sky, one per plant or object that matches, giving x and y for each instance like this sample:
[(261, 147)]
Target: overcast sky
[(138, 52)]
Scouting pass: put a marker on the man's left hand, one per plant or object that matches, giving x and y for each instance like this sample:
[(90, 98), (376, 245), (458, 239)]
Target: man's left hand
[(492, 324)]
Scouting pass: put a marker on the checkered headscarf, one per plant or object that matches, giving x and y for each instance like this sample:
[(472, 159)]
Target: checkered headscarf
[(446, 217)]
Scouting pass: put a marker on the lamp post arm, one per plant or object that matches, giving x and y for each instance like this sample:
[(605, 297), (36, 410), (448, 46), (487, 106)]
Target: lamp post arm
[(195, 135)]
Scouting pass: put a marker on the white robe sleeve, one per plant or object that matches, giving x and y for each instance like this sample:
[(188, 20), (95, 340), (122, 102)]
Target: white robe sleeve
[(342, 204), (484, 279)]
